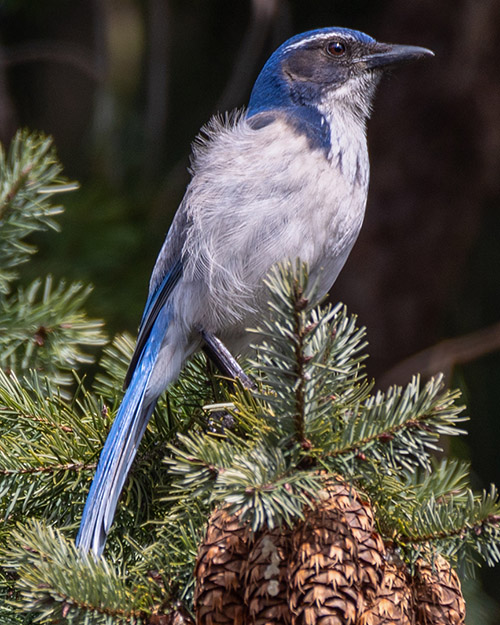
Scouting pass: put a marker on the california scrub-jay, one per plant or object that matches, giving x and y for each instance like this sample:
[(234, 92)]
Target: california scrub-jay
[(285, 179)]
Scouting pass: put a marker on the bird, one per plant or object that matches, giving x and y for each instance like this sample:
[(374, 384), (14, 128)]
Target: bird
[(285, 178)]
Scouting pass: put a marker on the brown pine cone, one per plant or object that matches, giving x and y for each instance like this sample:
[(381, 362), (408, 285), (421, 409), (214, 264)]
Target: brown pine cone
[(392, 604), (266, 578), (336, 563), (437, 594), (218, 597)]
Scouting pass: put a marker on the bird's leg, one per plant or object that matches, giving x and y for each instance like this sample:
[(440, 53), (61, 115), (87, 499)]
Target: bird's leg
[(218, 353)]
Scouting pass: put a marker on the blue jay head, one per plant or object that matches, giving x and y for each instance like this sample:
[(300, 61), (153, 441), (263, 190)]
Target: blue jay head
[(325, 67)]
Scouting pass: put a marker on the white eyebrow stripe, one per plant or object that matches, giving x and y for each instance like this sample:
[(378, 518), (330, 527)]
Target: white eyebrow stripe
[(300, 43), (317, 37)]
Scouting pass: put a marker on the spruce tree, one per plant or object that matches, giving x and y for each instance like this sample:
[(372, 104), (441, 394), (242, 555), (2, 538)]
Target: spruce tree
[(311, 498)]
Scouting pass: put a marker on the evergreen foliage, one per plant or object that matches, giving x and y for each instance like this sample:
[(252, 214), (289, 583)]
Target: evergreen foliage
[(42, 326), (209, 442)]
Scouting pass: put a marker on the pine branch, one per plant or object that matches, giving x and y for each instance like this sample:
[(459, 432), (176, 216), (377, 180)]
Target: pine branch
[(46, 445), (446, 480), (29, 178), (266, 490), (261, 483), (312, 409), (113, 366), (314, 351), (45, 328), (42, 327), (56, 582), (200, 460), (400, 494), (399, 428), (467, 528)]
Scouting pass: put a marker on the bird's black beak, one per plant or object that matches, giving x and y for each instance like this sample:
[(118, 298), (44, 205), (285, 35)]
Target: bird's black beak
[(388, 55)]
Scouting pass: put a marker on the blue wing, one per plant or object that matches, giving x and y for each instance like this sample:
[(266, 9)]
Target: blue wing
[(156, 301)]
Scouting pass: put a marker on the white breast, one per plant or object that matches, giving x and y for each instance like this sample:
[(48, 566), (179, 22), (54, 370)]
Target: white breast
[(258, 197)]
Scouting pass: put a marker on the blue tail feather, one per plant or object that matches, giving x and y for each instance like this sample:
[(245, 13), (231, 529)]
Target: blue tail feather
[(121, 446)]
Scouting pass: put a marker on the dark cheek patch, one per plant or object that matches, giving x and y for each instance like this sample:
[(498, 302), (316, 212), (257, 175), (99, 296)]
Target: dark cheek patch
[(301, 65), (313, 66)]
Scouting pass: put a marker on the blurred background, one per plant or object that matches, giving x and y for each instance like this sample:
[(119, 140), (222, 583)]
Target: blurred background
[(124, 86)]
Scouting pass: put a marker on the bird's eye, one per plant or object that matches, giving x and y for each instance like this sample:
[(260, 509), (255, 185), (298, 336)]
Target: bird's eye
[(336, 48)]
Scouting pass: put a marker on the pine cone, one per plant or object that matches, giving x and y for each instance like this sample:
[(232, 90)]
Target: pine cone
[(437, 594), (337, 559), (392, 604), (218, 595), (266, 578)]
